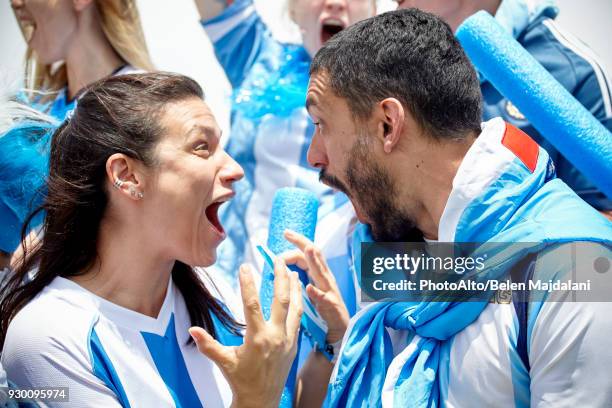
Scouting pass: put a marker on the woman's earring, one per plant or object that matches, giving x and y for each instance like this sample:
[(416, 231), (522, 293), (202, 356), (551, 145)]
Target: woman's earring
[(135, 193), (117, 184)]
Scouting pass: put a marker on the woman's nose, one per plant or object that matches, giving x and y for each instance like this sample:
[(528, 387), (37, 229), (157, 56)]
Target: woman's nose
[(231, 171)]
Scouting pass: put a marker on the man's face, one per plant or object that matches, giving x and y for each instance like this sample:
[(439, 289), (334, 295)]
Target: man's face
[(350, 159)]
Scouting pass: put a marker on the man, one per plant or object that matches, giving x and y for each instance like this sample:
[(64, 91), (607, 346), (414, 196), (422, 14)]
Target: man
[(397, 109), (270, 130), (567, 59)]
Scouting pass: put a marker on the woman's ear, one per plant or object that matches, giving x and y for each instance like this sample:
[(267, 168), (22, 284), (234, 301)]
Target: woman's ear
[(124, 175), (393, 116)]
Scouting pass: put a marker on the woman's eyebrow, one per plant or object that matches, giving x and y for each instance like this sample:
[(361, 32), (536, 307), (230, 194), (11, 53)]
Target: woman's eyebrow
[(201, 129)]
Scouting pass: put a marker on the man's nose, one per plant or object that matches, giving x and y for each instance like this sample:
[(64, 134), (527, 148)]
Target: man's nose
[(317, 157)]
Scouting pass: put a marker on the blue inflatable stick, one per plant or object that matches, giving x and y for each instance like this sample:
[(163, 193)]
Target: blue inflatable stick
[(295, 209), (554, 112)]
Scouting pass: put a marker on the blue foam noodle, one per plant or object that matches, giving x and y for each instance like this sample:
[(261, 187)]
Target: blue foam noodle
[(552, 110), (294, 209)]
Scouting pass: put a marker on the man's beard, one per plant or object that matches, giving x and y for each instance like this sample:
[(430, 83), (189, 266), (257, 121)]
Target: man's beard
[(371, 186)]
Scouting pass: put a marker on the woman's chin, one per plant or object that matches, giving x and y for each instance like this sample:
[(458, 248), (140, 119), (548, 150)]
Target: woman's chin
[(207, 257)]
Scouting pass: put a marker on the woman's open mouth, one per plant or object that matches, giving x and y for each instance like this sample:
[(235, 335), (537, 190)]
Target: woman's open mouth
[(329, 28), (212, 213), (213, 217)]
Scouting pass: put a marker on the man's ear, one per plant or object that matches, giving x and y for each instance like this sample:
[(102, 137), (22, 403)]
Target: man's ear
[(393, 118), (80, 5), (124, 174)]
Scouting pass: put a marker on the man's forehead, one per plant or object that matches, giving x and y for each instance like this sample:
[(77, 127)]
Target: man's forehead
[(318, 89)]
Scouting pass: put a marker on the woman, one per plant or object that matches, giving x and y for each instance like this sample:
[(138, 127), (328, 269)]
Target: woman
[(136, 178), (70, 45)]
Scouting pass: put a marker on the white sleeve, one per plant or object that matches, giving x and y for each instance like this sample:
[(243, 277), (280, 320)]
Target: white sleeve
[(41, 352), (571, 355), (569, 350)]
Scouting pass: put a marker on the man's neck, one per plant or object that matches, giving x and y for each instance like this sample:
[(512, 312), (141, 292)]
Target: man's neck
[(434, 173)]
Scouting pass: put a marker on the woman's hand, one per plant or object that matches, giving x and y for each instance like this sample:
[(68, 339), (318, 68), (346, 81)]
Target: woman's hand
[(257, 370), (324, 294)]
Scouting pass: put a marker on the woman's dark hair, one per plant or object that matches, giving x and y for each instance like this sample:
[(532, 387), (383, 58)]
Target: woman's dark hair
[(119, 114)]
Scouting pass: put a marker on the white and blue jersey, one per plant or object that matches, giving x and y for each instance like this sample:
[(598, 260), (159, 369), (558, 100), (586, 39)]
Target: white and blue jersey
[(110, 356), (570, 62), (470, 354), (270, 136)]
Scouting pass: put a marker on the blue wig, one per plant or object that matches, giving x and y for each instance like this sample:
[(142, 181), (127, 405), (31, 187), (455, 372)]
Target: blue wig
[(24, 166)]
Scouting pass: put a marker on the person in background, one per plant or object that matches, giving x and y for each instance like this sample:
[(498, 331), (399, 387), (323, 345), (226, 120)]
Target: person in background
[(270, 129), (567, 59), (70, 45)]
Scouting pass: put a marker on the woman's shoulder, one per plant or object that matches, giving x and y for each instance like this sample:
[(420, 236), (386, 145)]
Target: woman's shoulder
[(48, 343), (58, 318)]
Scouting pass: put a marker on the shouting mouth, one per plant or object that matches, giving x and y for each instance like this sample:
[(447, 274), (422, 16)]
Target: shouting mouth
[(213, 216), (329, 28)]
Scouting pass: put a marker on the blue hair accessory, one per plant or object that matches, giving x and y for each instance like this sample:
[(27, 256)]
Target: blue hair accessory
[(280, 93)]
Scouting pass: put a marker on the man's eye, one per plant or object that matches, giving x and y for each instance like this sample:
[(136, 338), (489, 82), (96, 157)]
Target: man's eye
[(202, 146)]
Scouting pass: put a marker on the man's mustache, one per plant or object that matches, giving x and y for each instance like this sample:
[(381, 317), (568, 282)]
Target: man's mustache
[(332, 181)]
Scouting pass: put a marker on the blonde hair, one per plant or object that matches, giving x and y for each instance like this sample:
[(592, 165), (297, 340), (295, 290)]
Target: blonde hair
[(121, 25)]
